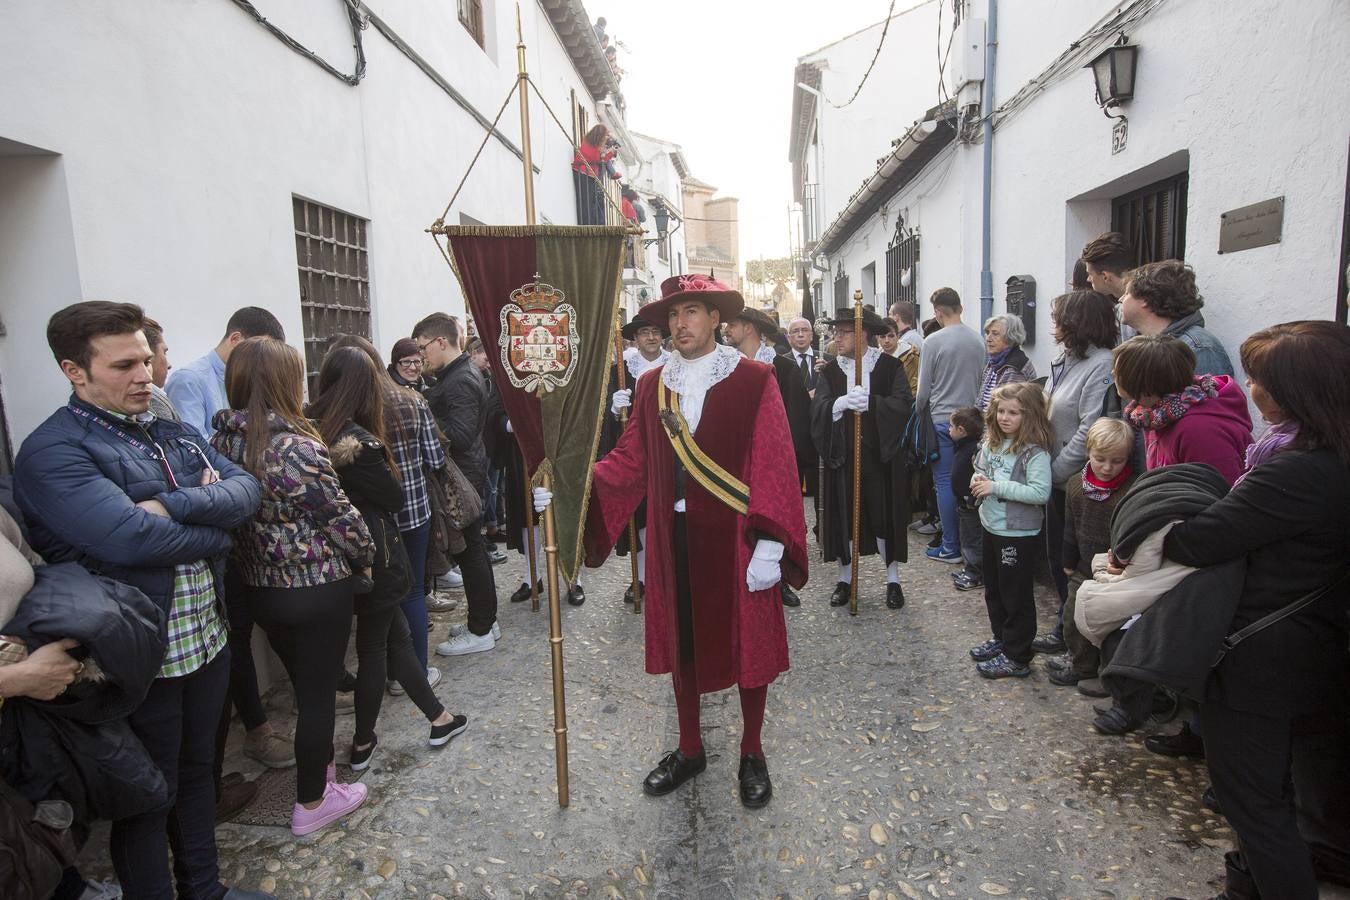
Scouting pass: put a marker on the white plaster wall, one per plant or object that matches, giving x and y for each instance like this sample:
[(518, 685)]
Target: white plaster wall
[(1240, 96), (183, 135)]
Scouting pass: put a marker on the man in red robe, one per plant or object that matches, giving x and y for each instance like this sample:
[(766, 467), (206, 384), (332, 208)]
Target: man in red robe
[(710, 450)]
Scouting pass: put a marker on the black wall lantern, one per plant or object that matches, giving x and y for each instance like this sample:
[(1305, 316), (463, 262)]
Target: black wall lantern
[(1113, 71)]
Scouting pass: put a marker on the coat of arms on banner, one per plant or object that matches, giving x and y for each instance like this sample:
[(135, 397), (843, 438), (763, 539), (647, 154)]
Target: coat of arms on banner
[(538, 337)]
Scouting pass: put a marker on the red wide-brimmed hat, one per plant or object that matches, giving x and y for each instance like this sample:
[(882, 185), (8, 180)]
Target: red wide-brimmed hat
[(704, 288)]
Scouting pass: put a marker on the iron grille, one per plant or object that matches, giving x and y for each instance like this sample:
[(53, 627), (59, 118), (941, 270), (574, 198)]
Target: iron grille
[(902, 255), (471, 17), (1154, 220), (842, 299), (330, 250)]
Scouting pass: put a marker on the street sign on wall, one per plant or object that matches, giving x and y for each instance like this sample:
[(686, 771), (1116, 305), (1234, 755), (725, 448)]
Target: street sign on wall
[(1251, 226)]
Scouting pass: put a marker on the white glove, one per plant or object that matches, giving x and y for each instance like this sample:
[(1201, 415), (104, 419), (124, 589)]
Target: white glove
[(542, 499), (856, 399), (622, 400), (764, 570)]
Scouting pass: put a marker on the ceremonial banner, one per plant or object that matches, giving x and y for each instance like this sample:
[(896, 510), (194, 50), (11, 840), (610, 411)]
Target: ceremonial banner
[(544, 300)]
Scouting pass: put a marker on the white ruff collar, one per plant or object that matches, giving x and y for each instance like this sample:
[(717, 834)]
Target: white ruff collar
[(869, 361), (638, 365), (765, 353), (682, 375)]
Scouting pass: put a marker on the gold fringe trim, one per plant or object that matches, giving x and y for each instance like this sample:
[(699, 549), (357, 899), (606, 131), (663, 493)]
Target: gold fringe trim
[(439, 227)]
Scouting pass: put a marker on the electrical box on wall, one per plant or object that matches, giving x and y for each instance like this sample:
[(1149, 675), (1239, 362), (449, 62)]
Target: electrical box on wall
[(1021, 302), (966, 65)]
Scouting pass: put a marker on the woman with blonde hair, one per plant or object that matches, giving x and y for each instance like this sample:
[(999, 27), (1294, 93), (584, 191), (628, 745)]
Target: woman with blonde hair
[(296, 557)]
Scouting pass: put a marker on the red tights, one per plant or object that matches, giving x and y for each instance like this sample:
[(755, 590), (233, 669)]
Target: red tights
[(752, 711)]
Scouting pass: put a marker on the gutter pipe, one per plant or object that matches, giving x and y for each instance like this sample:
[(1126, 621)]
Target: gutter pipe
[(987, 108)]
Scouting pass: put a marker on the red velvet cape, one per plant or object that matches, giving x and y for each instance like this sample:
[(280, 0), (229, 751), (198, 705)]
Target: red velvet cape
[(740, 637)]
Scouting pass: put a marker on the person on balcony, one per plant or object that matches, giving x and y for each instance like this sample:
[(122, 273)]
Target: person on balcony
[(592, 162)]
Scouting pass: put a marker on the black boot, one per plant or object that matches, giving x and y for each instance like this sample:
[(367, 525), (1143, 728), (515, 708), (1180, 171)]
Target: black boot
[(756, 788), (673, 770), (790, 597), (840, 595), (895, 597)]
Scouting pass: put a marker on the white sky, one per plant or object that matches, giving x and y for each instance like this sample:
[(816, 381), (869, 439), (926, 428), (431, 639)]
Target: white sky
[(715, 76)]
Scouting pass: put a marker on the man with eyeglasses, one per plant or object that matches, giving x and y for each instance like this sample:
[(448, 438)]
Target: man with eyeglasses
[(458, 400), (147, 502)]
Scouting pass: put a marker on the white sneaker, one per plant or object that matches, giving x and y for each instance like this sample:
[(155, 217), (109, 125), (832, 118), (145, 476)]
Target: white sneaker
[(450, 581), (440, 602), (395, 689), (433, 676), (468, 642), (463, 628)]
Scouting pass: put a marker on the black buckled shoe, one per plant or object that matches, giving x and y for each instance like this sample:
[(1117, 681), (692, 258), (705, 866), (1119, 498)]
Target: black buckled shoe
[(523, 593), (840, 595), (756, 788), (673, 770), (576, 595), (628, 594), (1184, 743), (790, 597), (895, 597)]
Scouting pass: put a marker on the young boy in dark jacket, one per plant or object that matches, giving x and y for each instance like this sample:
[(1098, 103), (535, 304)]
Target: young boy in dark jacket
[(967, 427), (1088, 503)]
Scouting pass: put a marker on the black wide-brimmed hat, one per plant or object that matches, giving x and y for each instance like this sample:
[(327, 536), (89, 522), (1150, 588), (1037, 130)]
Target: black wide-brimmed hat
[(703, 288), (630, 330), (767, 327), (873, 324)]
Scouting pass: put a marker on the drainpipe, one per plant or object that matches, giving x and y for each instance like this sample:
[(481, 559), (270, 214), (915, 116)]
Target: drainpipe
[(987, 108)]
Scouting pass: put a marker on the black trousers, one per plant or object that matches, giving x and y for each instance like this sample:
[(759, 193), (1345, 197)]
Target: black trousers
[(1008, 592), (480, 587), (384, 649), (309, 627), (177, 724), (1054, 551), (1284, 785)]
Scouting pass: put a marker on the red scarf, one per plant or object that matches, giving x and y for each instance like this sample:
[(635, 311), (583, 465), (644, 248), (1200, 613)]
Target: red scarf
[(1096, 489)]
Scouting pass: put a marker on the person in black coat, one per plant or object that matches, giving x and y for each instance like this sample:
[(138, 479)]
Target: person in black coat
[(1277, 706), (884, 401), (754, 334)]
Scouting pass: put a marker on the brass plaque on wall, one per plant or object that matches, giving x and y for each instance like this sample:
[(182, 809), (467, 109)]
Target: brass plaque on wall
[(1251, 226)]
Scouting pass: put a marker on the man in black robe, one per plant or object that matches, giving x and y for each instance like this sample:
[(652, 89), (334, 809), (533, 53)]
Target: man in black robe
[(646, 354), (884, 401), (754, 334)]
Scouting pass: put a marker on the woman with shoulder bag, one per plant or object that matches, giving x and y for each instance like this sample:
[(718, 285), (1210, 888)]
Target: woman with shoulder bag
[(349, 412), (1277, 705), (296, 557)]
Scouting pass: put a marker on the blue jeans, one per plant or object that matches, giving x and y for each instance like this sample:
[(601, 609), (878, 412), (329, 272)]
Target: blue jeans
[(946, 500), (177, 724), (415, 604)]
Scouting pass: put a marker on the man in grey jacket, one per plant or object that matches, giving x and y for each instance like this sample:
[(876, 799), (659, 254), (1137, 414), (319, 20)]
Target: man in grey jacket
[(951, 369), (1161, 298)]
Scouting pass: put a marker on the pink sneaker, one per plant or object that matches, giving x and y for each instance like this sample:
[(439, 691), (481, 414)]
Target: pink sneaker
[(338, 800)]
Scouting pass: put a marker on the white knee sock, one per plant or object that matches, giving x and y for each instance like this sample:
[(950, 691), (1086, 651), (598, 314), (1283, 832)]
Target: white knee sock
[(893, 569), (846, 566), (642, 556)]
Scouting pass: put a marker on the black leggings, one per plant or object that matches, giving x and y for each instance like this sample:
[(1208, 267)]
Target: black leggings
[(309, 627), (384, 648), (1009, 594)]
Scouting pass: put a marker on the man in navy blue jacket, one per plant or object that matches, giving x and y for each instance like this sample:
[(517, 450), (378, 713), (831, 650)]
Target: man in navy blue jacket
[(146, 502)]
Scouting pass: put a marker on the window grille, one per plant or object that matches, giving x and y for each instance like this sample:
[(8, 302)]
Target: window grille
[(842, 298), (902, 255), (1153, 219), (331, 253), (471, 17)]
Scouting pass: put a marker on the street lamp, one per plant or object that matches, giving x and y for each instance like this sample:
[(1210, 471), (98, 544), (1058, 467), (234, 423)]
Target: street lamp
[(1113, 71), (661, 218)]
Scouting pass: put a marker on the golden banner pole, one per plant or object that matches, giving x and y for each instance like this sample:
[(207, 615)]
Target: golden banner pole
[(529, 533), (859, 346), (555, 637), (623, 426)]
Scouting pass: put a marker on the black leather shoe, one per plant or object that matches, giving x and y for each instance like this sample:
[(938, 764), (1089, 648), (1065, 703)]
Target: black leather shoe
[(790, 597), (523, 593), (236, 793), (628, 594), (673, 770), (1184, 743), (1211, 800), (756, 788), (840, 595), (895, 597), (576, 595)]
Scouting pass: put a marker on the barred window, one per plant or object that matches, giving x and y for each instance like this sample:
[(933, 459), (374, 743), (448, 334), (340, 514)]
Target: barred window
[(330, 250), (471, 17)]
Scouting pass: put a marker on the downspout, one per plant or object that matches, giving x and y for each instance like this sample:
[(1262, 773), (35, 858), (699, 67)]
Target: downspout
[(987, 108)]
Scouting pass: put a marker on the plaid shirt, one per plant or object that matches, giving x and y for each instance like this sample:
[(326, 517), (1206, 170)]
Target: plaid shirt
[(416, 444), (196, 632)]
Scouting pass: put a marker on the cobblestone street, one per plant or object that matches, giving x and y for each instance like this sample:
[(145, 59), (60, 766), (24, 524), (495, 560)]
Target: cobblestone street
[(897, 772)]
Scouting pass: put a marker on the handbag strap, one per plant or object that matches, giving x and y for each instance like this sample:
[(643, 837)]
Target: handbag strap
[(1279, 615)]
